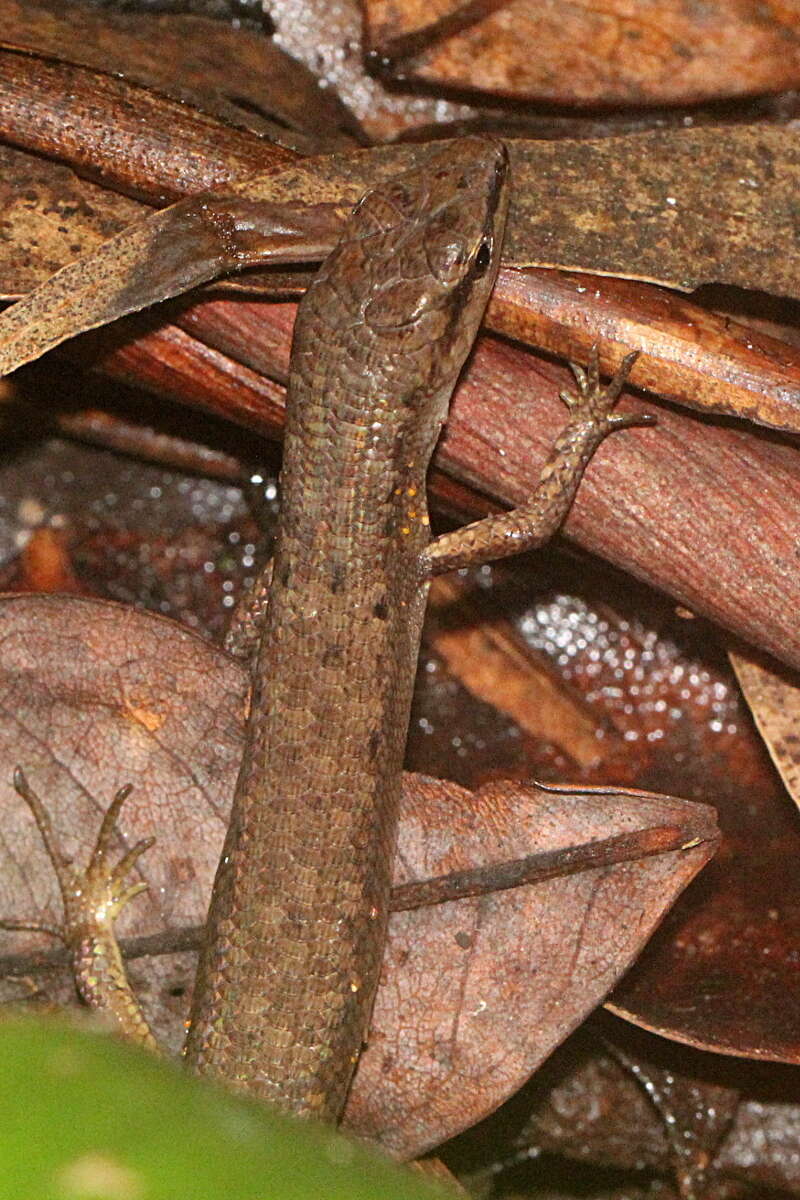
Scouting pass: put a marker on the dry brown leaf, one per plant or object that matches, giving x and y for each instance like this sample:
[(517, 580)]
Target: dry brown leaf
[(51, 217), (687, 218), (655, 52), (773, 694), (517, 970), (160, 149), (93, 696)]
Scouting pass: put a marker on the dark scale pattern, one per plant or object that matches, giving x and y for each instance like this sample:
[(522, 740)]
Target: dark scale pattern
[(299, 910)]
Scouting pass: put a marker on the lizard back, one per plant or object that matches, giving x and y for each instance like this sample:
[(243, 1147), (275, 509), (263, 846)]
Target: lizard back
[(298, 915)]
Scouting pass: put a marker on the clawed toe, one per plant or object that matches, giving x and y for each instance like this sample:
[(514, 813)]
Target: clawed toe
[(96, 894), (594, 402)]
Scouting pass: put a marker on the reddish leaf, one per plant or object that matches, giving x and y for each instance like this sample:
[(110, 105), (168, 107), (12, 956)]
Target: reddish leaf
[(517, 970), (94, 696), (234, 73), (588, 1105)]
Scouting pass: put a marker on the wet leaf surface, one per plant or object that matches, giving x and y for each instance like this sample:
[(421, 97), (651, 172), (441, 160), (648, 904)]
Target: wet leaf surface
[(93, 695), (326, 35), (600, 1100)]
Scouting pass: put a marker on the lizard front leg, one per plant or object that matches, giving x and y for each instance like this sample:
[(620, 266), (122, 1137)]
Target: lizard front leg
[(534, 523)]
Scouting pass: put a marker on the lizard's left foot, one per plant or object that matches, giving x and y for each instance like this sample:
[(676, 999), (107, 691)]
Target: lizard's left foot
[(94, 897), (594, 403)]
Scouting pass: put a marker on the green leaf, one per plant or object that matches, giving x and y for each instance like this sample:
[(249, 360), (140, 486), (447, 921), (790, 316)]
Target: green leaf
[(86, 1117)]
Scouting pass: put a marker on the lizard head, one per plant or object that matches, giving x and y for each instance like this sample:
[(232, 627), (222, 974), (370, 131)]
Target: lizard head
[(430, 241)]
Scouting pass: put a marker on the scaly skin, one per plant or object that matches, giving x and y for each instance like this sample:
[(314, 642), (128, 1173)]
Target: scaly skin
[(298, 916)]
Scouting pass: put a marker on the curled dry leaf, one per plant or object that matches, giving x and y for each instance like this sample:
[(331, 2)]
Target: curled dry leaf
[(687, 354), (94, 696), (65, 111), (658, 51)]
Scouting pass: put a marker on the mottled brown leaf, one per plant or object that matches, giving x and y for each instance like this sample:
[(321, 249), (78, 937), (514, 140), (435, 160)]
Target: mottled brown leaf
[(658, 51), (773, 694), (48, 217), (673, 209), (92, 696)]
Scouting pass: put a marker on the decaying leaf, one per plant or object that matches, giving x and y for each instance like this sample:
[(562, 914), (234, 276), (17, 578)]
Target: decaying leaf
[(64, 111), (232, 73), (92, 696), (49, 217), (686, 219)]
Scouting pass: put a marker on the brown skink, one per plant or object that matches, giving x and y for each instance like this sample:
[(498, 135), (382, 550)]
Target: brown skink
[(298, 915)]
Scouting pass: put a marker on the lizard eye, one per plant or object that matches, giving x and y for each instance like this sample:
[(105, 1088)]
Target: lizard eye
[(483, 258)]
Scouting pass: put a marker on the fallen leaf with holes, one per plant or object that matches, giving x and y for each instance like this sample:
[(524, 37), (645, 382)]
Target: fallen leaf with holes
[(93, 696)]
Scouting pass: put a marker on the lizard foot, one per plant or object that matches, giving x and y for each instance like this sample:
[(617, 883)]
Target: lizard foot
[(96, 895), (594, 403), (92, 899)]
